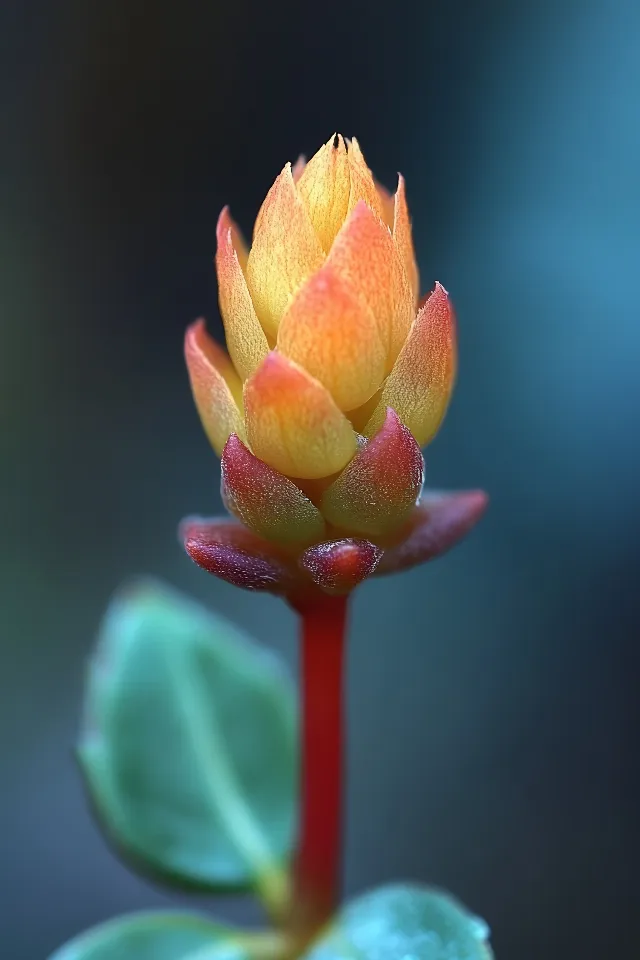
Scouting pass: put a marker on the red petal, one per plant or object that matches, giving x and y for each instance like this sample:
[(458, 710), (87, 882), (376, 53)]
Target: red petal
[(439, 522), (340, 565), (266, 501), (230, 551), (378, 489)]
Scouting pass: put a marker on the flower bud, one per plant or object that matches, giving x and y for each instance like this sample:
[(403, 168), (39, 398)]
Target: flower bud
[(336, 376)]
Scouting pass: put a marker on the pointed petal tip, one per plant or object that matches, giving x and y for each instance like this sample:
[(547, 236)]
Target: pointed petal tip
[(224, 221), (246, 340), (377, 491), (420, 384), (215, 385), (266, 501), (439, 522), (285, 251)]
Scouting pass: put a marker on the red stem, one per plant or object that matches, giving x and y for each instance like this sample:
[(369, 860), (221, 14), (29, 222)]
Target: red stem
[(318, 863)]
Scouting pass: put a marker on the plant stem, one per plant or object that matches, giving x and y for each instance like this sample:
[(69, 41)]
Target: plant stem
[(318, 862)]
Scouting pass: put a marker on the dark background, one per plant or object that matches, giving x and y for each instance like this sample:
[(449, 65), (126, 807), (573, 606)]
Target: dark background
[(493, 743)]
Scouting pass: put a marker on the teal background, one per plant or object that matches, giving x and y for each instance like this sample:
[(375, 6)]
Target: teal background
[(493, 736)]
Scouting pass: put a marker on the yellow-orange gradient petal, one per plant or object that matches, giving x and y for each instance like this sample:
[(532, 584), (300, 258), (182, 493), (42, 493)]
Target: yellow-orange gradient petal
[(217, 389), (284, 253), (366, 258), (403, 238), (363, 186), (292, 422), (246, 341), (324, 185), (420, 384), (332, 333)]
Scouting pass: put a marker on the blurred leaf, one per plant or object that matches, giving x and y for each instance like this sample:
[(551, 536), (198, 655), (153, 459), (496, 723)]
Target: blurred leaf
[(189, 744), (402, 921), (156, 936)]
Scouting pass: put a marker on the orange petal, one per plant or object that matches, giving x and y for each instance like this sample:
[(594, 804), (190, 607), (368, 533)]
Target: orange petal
[(216, 387), (387, 202), (324, 186), (363, 186), (246, 341), (284, 253), (292, 422), (333, 334), (403, 238), (366, 258), (378, 489), (420, 384), (266, 501)]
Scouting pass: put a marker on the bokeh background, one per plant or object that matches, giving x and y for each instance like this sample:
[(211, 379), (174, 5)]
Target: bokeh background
[(493, 738)]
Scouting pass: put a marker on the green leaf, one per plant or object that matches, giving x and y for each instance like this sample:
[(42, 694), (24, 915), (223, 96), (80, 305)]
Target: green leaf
[(402, 921), (189, 745), (156, 936)]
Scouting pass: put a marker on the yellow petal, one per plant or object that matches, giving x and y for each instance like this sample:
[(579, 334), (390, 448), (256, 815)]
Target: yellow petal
[(403, 238), (324, 186), (333, 334), (216, 386), (420, 384), (284, 253), (246, 341), (292, 422), (363, 186), (365, 257)]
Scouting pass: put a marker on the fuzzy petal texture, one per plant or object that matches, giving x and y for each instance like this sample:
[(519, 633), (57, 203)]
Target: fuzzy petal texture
[(420, 384), (363, 186), (403, 237), (265, 501), (324, 186), (366, 258), (228, 550), (293, 424), (438, 523), (378, 489), (284, 253), (333, 334), (338, 566), (246, 341), (216, 387)]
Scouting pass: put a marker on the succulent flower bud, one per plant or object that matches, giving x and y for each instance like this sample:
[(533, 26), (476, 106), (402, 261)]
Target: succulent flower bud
[(335, 377)]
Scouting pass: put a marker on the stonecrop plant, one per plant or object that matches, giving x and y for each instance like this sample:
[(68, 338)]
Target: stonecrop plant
[(202, 769)]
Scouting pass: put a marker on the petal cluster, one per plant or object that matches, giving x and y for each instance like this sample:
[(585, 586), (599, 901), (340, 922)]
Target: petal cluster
[(335, 376)]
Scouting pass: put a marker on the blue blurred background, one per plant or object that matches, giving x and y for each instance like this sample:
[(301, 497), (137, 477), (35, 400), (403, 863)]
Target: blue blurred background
[(493, 733)]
